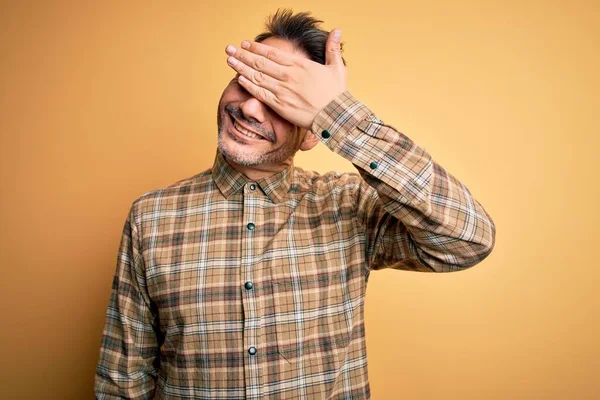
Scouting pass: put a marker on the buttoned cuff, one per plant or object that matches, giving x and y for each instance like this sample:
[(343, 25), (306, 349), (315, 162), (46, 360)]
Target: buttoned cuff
[(349, 128), (343, 126), (340, 117)]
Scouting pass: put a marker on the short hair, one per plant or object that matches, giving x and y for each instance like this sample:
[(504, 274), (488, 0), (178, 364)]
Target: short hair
[(302, 29)]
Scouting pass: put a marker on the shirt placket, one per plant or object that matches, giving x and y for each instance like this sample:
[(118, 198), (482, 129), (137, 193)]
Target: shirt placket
[(252, 225)]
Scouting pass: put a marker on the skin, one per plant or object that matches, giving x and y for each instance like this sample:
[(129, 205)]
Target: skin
[(277, 93)]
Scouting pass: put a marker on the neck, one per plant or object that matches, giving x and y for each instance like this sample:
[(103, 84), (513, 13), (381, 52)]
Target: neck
[(257, 172)]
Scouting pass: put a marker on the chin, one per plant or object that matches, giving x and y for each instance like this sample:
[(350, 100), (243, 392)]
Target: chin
[(239, 154)]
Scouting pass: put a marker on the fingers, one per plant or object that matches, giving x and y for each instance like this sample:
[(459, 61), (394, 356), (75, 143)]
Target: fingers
[(266, 64), (273, 54), (258, 92), (256, 77), (333, 55)]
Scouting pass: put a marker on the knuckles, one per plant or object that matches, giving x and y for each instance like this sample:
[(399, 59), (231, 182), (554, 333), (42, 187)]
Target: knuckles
[(262, 95), (259, 63), (285, 75), (272, 55), (259, 77)]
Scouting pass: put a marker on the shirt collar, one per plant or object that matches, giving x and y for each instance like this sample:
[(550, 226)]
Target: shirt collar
[(230, 181)]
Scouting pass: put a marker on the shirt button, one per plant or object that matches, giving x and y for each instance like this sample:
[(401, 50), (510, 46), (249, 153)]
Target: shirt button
[(250, 226), (325, 134), (373, 165), (248, 285), (252, 187), (252, 351)]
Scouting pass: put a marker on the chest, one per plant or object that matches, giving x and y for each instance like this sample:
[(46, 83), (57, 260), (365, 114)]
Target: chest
[(201, 256)]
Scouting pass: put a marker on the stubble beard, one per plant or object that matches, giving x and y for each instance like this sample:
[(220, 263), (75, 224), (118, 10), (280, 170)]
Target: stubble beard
[(246, 155)]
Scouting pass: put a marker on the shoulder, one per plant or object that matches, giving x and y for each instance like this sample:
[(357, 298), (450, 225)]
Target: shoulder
[(168, 197)]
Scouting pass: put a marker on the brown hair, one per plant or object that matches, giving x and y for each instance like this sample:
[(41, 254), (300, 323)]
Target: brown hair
[(302, 29)]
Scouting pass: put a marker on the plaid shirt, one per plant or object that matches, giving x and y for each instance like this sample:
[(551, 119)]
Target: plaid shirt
[(228, 288)]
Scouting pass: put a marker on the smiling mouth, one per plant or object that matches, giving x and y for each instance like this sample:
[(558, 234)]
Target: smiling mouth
[(245, 132)]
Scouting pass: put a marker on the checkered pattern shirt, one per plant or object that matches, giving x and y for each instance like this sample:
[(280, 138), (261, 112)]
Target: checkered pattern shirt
[(228, 288)]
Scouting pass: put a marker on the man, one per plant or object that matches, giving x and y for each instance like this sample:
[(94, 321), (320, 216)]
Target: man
[(247, 280)]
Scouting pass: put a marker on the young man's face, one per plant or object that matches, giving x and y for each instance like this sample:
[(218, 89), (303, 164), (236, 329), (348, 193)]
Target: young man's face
[(249, 132)]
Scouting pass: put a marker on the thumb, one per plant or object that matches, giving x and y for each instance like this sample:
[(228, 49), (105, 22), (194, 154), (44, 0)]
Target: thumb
[(333, 48)]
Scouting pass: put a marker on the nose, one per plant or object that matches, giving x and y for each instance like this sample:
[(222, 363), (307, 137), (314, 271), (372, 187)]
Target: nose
[(254, 109)]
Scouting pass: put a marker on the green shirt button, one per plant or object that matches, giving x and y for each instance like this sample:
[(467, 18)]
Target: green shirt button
[(250, 226), (373, 165), (325, 134)]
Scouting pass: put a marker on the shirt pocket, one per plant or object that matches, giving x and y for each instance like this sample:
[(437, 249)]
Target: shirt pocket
[(312, 315)]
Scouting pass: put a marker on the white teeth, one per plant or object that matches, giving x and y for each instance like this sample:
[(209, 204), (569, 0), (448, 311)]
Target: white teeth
[(246, 132)]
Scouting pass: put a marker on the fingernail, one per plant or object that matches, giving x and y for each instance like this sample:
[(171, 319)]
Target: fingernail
[(337, 34), (245, 44), (232, 61), (230, 49)]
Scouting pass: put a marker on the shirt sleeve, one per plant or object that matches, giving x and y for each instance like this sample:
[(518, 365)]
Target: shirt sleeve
[(128, 363), (416, 215)]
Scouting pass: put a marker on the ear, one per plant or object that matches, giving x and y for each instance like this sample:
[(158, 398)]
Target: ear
[(310, 141)]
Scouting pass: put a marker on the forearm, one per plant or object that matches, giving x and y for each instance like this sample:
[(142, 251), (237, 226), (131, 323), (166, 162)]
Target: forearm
[(451, 230)]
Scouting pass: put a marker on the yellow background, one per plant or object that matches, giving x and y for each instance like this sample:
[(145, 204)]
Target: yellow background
[(101, 102)]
